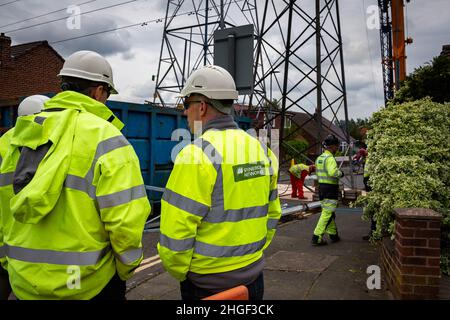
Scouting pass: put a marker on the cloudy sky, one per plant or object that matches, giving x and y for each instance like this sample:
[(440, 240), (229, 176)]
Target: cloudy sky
[(134, 51)]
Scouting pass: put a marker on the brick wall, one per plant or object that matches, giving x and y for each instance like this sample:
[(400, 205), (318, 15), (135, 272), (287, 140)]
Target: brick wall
[(34, 72), (5, 51), (411, 261)]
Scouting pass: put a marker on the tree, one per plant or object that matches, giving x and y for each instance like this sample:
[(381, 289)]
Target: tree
[(274, 105), (432, 80), (295, 149), (357, 128)]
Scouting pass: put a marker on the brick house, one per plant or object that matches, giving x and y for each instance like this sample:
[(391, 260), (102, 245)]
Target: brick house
[(308, 131), (29, 68), (261, 116), (25, 69)]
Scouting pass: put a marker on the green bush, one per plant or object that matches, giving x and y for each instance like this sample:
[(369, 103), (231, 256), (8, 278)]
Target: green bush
[(295, 148), (409, 165), (432, 80)]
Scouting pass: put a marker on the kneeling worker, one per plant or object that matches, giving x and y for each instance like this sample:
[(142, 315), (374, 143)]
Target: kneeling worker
[(298, 173)]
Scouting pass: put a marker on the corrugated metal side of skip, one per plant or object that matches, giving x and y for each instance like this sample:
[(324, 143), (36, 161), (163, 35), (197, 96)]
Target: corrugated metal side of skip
[(149, 130)]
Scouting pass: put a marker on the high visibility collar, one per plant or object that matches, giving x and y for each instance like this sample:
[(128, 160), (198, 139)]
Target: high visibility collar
[(327, 152), (221, 123), (75, 100)]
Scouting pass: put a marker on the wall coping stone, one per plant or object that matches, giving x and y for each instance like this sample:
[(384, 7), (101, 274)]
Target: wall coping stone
[(417, 213)]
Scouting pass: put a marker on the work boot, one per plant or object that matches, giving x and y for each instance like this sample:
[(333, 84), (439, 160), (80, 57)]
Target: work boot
[(318, 241), (334, 238)]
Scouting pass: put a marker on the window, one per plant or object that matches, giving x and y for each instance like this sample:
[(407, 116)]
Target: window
[(343, 146), (287, 122), (272, 123)]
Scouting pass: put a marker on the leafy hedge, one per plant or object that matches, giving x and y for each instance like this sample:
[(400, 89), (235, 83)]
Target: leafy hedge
[(295, 148), (409, 165)]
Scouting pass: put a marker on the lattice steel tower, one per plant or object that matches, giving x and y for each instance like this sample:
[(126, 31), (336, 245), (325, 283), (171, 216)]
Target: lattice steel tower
[(298, 49)]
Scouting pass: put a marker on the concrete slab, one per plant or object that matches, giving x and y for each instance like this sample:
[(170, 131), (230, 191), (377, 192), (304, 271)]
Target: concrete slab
[(296, 270), (161, 287), (344, 285), (283, 285), (299, 261)]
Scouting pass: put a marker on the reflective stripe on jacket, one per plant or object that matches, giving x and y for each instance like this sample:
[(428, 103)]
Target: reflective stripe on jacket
[(366, 168), (81, 216), (326, 168), (221, 206)]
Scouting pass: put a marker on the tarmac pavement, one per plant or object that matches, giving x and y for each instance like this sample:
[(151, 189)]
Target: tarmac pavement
[(295, 270)]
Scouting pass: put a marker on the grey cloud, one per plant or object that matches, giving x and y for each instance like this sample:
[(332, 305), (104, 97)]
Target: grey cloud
[(106, 43), (144, 90), (110, 43)]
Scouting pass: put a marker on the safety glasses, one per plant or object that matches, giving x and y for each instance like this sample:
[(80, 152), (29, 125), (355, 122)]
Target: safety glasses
[(187, 104)]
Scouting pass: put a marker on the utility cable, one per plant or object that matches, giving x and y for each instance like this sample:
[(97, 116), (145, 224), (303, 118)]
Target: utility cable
[(113, 29), (142, 24), (80, 14), (4, 4), (369, 52), (44, 14)]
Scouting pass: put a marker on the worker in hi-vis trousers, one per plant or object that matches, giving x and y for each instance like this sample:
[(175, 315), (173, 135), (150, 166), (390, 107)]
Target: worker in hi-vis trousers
[(328, 175)]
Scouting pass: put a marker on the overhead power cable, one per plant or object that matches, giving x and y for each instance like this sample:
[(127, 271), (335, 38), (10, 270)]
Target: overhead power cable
[(115, 29), (72, 16), (4, 4), (144, 23), (44, 14), (376, 95)]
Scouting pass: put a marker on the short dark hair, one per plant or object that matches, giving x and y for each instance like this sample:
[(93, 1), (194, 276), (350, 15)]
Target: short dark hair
[(79, 85)]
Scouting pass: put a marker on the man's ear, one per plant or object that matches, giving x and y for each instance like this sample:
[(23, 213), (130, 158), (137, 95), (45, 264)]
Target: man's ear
[(203, 109), (98, 93)]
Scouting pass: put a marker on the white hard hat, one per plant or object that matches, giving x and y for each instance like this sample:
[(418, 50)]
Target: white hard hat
[(211, 81), (88, 65), (31, 105)]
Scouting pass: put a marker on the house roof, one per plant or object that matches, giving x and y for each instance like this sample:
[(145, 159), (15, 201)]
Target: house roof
[(21, 49), (307, 123)]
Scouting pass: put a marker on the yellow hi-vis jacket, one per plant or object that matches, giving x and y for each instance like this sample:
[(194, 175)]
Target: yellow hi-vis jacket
[(4, 145), (297, 169), (326, 169), (73, 215), (366, 168), (220, 208)]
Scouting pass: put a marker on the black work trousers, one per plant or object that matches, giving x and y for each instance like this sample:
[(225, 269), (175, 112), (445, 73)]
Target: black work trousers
[(5, 288), (114, 290)]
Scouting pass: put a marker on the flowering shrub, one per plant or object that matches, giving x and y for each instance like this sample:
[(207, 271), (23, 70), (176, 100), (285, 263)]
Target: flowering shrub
[(409, 165)]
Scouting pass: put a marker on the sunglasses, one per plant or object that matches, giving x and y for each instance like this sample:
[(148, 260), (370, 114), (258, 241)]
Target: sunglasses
[(108, 90), (105, 88), (187, 104)]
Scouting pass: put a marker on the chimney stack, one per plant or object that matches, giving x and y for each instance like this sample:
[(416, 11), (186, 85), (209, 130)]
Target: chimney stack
[(5, 50), (446, 50)]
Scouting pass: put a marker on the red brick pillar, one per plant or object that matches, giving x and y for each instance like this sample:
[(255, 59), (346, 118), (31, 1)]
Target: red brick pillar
[(412, 264)]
